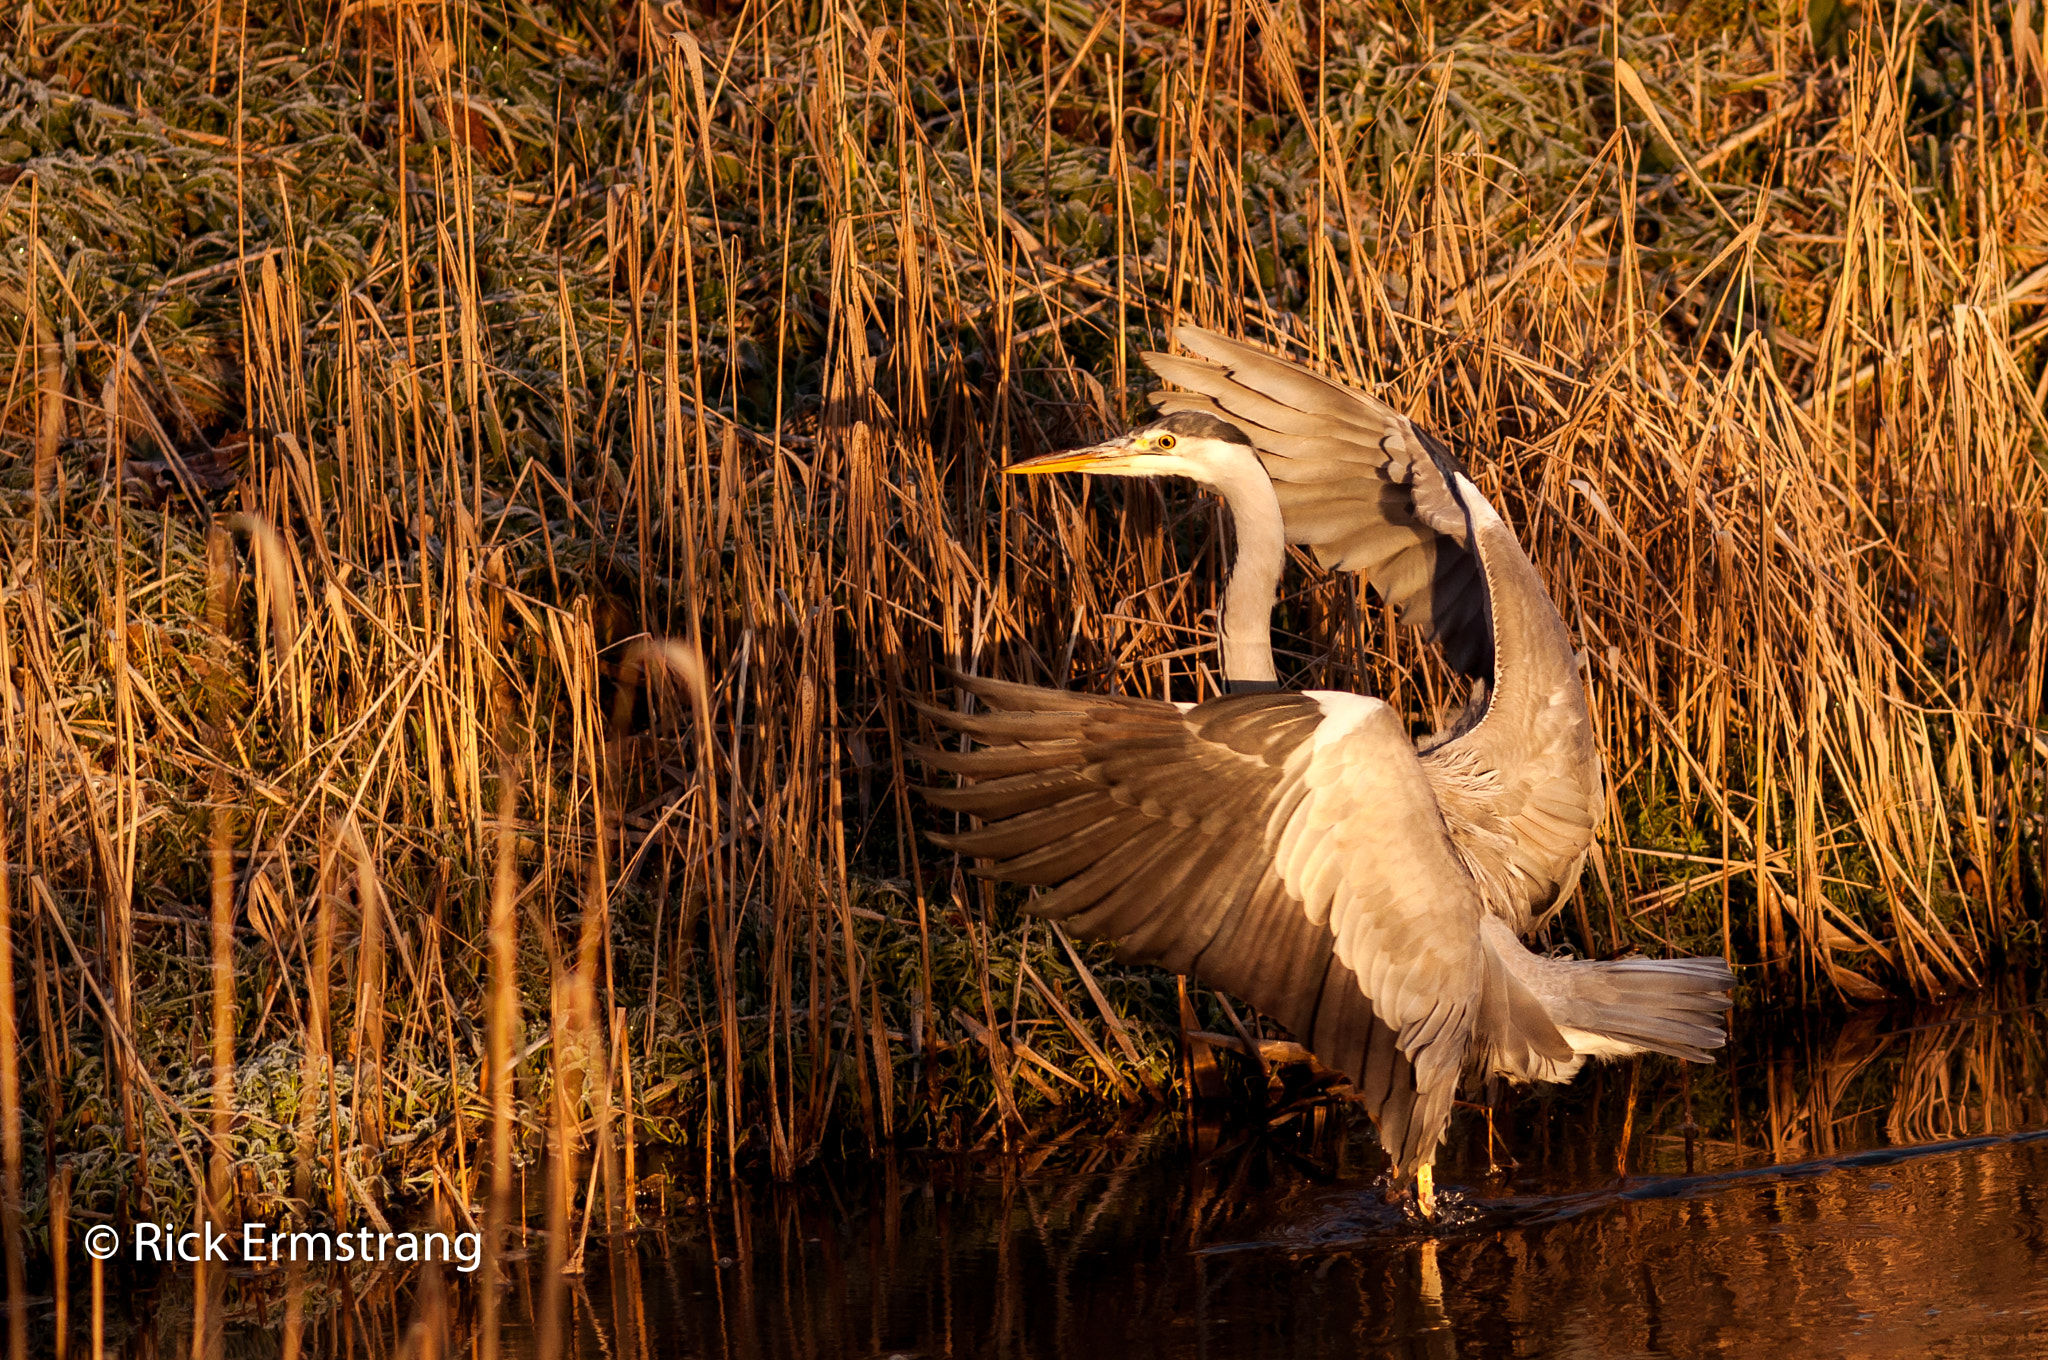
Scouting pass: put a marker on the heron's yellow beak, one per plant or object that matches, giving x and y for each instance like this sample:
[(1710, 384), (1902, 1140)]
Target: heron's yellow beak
[(1122, 454)]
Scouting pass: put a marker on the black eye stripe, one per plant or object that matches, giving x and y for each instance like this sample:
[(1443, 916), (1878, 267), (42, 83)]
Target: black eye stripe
[(1200, 425)]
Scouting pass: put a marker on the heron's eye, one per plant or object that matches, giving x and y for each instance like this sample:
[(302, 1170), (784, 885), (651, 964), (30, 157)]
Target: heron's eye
[(1167, 441)]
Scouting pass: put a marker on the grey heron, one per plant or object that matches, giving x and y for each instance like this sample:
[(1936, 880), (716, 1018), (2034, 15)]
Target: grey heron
[(1297, 849)]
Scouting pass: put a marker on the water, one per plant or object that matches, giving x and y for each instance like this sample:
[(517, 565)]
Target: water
[(1941, 1251), (1871, 1187)]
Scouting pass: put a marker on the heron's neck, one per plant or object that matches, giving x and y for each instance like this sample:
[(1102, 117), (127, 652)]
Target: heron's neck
[(1255, 576)]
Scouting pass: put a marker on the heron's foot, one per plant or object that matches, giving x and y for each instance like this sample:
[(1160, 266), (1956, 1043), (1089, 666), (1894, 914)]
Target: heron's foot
[(1498, 1158), (1425, 1192)]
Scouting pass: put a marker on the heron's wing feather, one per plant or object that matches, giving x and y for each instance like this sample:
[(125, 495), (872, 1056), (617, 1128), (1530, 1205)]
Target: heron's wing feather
[(1284, 847), (1358, 484), (1520, 789), (1358, 839)]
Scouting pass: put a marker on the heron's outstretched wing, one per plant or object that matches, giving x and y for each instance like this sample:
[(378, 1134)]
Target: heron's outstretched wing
[(1359, 484), (1367, 491), (1284, 847)]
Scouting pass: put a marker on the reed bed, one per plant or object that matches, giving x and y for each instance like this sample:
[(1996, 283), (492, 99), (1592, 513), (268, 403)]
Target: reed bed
[(482, 485)]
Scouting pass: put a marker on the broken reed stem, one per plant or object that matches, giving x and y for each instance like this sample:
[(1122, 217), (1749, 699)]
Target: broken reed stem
[(10, 1115), (366, 1043), (294, 1310), (317, 1083), (116, 858), (561, 1177), (622, 1063), (594, 1081), (221, 859), (60, 1257), (503, 1025), (223, 959)]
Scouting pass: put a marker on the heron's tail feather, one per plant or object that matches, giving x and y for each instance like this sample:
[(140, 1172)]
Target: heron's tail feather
[(1657, 1005), (1513, 1029), (1613, 1008)]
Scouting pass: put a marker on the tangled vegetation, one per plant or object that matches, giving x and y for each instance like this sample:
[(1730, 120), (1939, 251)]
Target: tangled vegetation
[(482, 483)]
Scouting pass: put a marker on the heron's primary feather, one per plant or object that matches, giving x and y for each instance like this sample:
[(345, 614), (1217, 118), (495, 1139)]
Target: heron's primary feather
[(1346, 468), (1283, 847), (1297, 849), (1518, 782)]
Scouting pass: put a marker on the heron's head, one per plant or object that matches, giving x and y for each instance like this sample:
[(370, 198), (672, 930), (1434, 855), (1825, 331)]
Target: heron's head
[(1190, 444)]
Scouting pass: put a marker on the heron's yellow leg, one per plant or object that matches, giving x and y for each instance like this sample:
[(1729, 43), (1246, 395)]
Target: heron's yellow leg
[(1425, 1191)]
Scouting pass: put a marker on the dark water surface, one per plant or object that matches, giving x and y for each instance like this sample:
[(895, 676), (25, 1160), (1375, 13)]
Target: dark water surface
[(1870, 1187), (1940, 1252)]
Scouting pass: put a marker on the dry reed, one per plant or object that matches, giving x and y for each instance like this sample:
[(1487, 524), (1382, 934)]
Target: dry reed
[(492, 388)]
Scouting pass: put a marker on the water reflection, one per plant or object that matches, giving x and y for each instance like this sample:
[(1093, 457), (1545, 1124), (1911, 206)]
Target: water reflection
[(1877, 1186)]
